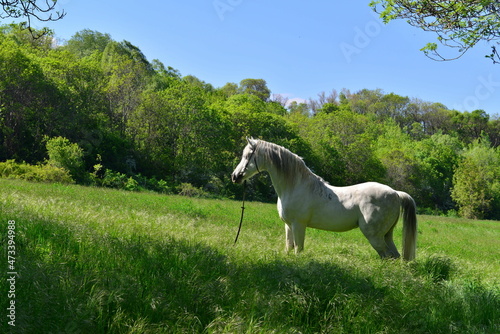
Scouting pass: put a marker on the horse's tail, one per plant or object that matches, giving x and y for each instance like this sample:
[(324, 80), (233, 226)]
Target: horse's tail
[(409, 225)]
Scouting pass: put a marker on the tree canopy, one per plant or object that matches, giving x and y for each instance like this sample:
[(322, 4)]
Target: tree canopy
[(459, 25), (100, 110)]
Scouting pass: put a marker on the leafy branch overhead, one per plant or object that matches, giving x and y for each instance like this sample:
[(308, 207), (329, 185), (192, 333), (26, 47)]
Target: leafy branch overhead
[(459, 25), (31, 9)]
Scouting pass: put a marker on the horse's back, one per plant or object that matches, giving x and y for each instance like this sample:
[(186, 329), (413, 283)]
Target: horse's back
[(371, 200), (368, 192)]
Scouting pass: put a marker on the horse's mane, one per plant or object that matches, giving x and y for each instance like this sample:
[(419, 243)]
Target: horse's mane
[(289, 163)]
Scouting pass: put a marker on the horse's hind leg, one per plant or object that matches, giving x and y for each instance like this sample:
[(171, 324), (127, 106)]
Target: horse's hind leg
[(393, 251), (383, 244), (377, 224), (379, 244)]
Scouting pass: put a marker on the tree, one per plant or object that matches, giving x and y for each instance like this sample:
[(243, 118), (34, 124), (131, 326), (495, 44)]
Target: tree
[(301, 108), (194, 81), (162, 70), (331, 98), (437, 157), (87, 41), (459, 25), (29, 10), (476, 183), (493, 131), (341, 141), (434, 117), (257, 87), (361, 101), (244, 103), (396, 151), (64, 154), (229, 89), (281, 99), (29, 103), (128, 73), (329, 108), (44, 38), (178, 137), (471, 125)]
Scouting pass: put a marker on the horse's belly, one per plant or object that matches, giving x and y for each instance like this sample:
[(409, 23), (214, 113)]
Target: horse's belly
[(335, 222)]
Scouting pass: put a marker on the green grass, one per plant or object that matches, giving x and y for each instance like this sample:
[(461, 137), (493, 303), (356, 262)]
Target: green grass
[(103, 261)]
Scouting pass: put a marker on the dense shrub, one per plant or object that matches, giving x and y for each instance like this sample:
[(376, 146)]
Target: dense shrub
[(187, 189), (476, 182), (64, 154), (117, 180), (36, 173)]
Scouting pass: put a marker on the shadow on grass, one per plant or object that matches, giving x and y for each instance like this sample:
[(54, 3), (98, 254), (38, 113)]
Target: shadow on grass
[(74, 281)]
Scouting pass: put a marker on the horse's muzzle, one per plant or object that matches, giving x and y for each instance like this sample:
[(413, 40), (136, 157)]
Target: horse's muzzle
[(236, 178)]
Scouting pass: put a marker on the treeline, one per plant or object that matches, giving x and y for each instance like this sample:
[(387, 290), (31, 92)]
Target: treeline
[(144, 123)]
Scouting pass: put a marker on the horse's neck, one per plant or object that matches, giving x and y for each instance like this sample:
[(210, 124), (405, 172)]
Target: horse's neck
[(278, 181), (281, 183)]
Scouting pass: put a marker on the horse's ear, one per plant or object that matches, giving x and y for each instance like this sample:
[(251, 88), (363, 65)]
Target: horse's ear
[(251, 141)]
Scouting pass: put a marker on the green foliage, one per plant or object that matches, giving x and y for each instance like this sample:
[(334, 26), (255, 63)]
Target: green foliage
[(86, 42), (35, 173), (245, 103), (179, 136), (141, 121), (459, 25), (117, 180), (342, 141), (24, 91), (64, 154), (187, 189), (256, 87), (437, 157), (476, 182)]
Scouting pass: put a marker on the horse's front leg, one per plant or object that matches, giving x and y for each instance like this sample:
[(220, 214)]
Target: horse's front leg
[(299, 234), (295, 235)]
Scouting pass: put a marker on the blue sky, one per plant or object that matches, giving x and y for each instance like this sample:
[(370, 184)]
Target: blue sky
[(299, 48)]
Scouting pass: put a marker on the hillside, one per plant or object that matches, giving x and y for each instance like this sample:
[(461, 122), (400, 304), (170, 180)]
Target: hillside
[(100, 260), (137, 122)]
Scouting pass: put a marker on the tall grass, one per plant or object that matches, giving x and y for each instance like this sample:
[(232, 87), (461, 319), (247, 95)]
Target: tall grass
[(104, 261)]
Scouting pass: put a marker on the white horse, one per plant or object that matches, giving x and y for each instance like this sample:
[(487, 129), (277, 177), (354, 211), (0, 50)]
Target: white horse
[(306, 200)]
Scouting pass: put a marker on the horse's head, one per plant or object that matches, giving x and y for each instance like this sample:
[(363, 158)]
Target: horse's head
[(248, 166)]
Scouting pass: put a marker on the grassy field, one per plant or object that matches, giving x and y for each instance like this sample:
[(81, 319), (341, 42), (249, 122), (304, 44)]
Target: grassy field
[(103, 261)]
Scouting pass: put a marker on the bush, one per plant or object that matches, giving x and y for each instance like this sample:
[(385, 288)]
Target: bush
[(132, 185), (187, 189), (476, 185), (36, 173), (64, 154), (153, 184), (117, 180), (113, 179)]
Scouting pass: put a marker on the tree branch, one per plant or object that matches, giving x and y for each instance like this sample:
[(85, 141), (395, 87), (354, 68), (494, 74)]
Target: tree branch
[(29, 9), (459, 25)]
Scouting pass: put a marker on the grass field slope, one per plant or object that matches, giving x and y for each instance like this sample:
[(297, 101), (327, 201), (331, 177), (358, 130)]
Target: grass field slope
[(92, 260)]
